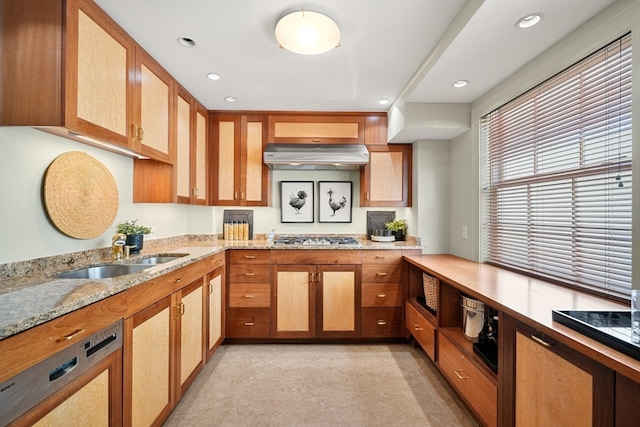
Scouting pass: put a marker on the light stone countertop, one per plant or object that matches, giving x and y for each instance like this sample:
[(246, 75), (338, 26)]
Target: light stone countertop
[(29, 296)]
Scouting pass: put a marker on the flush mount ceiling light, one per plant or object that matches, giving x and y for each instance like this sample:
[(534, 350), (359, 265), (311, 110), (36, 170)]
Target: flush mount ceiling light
[(460, 83), (307, 33), (186, 41), (529, 20)]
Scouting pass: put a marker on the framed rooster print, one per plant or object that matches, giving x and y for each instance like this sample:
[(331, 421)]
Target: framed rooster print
[(296, 201), (334, 201)]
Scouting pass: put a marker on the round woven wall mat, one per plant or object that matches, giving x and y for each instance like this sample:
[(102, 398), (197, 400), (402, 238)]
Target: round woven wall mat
[(80, 195)]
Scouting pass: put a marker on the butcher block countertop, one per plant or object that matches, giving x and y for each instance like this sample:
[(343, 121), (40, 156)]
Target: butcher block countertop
[(531, 301), (29, 296)]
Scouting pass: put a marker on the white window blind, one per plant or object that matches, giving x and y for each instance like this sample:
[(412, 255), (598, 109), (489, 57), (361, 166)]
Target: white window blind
[(557, 185)]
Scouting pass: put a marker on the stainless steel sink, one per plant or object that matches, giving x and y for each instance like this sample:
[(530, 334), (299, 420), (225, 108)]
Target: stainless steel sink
[(161, 259), (102, 271)]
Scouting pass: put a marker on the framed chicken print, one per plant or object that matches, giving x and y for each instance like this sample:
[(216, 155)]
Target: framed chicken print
[(334, 201), (296, 201)]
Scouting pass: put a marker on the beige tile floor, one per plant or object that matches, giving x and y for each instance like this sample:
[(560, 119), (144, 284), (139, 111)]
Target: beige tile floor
[(320, 385)]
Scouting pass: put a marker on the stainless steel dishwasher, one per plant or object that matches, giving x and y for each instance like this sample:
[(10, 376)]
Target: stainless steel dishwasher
[(30, 387)]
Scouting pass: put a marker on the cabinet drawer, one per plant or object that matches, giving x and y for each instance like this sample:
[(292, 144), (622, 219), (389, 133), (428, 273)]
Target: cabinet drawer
[(421, 329), (249, 274), (381, 256), (381, 322), (382, 273), (249, 256), (327, 257), (381, 295), (249, 323), (214, 262), (478, 391), (249, 295)]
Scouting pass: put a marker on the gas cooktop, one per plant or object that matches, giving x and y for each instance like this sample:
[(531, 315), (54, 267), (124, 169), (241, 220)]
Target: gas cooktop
[(316, 241), (612, 328)]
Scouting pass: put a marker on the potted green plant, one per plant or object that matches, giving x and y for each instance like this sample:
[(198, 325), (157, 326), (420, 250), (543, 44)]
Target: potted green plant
[(135, 234), (398, 227)]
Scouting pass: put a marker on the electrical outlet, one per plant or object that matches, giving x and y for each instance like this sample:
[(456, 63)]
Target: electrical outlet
[(152, 235), (464, 232)]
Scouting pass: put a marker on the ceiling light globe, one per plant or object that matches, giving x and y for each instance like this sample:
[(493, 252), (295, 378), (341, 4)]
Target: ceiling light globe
[(307, 33)]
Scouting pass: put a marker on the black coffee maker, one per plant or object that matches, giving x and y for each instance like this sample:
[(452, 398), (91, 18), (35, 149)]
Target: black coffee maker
[(487, 345)]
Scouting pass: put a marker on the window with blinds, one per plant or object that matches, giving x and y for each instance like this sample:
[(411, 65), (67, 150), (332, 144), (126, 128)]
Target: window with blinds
[(557, 184)]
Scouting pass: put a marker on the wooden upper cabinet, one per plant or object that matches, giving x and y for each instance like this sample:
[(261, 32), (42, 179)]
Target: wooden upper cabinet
[(375, 129), (191, 149), (86, 59), (241, 178), (386, 180), (153, 108), (316, 128)]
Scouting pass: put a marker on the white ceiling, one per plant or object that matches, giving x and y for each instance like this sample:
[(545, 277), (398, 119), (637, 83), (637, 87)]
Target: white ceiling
[(402, 50)]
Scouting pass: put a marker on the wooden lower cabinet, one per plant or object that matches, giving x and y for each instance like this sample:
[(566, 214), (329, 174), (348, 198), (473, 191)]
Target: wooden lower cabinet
[(423, 330), (627, 401), (316, 301), (215, 309), (553, 384), (164, 350), (474, 386), (148, 359)]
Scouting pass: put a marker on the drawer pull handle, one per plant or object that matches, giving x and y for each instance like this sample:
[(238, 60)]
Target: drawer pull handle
[(380, 273), (540, 341), (249, 274), (218, 260), (382, 322), (210, 288), (181, 305), (461, 376), (178, 280), (249, 296), (72, 335), (382, 295), (249, 323), (381, 257), (417, 328), (250, 256)]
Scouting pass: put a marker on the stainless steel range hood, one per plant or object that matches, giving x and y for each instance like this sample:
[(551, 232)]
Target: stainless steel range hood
[(316, 156)]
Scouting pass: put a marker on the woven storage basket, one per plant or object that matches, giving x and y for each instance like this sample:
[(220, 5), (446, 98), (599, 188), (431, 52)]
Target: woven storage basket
[(430, 285)]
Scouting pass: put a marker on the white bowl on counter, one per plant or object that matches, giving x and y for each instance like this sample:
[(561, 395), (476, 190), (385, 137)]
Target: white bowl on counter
[(383, 238)]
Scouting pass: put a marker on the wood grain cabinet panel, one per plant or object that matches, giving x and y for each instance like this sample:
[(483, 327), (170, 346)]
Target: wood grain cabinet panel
[(381, 322), (421, 329), (241, 178), (475, 388), (381, 295), (386, 180), (87, 59), (216, 309), (317, 128), (250, 294)]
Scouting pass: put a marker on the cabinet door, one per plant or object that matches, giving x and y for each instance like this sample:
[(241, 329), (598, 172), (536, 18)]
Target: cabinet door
[(154, 92), (183, 147), (294, 301), (216, 310), (338, 308), (555, 385), (386, 180), (238, 144), (317, 128), (199, 164), (225, 131), (191, 333), (148, 395)]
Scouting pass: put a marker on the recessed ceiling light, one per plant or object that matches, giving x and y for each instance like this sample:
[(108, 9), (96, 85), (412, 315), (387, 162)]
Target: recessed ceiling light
[(460, 83), (186, 41), (229, 99), (383, 102), (213, 76), (529, 20)]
